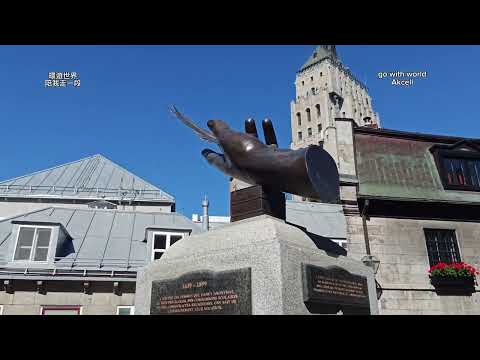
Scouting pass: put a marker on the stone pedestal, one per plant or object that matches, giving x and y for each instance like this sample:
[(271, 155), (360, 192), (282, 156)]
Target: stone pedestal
[(270, 255)]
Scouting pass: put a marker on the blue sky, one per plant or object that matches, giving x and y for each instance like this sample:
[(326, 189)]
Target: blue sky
[(120, 109)]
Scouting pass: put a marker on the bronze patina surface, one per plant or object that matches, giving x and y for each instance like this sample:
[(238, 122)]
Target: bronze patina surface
[(309, 172)]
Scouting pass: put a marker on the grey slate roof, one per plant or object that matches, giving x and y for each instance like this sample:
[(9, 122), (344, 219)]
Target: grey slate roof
[(94, 177), (107, 240), (321, 52), (326, 220)]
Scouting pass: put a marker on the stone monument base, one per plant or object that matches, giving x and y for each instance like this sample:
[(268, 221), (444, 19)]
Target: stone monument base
[(259, 266)]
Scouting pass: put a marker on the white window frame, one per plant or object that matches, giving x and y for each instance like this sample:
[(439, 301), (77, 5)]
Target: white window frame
[(168, 234), (34, 243), (131, 307), (60, 307)]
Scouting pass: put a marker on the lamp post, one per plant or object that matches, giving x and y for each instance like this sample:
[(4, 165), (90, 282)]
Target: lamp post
[(371, 261)]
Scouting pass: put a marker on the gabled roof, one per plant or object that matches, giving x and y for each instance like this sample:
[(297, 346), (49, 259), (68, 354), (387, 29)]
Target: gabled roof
[(94, 177), (107, 240)]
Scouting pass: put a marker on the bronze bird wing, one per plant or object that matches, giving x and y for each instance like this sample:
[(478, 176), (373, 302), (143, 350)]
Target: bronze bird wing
[(203, 134)]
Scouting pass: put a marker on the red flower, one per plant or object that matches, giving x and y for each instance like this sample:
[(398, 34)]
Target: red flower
[(459, 268)]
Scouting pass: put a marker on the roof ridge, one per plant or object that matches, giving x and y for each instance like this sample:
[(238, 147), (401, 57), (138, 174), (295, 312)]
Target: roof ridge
[(406, 133), (83, 178), (29, 213), (50, 168), (114, 210), (135, 176)]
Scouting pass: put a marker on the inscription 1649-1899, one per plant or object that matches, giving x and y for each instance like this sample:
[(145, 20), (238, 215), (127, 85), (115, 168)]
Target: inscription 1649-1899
[(203, 292)]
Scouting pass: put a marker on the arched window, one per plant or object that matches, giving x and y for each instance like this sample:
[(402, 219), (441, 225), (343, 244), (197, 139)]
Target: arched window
[(343, 114), (300, 137), (318, 110), (310, 133), (309, 118), (311, 78), (319, 127), (299, 119), (321, 74), (313, 91)]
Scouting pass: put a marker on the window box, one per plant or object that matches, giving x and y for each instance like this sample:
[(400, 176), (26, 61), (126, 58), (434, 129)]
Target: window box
[(444, 281), (455, 278)]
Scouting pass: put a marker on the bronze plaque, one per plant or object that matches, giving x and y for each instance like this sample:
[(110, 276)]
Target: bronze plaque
[(204, 293), (334, 286)]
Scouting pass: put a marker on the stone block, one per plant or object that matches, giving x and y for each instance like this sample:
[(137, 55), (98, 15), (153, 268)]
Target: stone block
[(272, 249)]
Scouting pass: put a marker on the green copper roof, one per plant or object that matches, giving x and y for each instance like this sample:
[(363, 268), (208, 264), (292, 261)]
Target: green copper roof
[(321, 52), (398, 167)]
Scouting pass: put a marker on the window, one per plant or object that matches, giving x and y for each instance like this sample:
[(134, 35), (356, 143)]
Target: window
[(303, 82), (125, 310), (313, 91), (61, 310), (319, 126), (318, 110), (309, 132), (309, 118), (441, 246), (299, 119), (32, 243), (300, 135), (461, 172), (311, 78), (162, 241)]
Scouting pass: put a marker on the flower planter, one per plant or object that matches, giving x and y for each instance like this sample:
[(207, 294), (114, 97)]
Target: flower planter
[(456, 278), (445, 285), (453, 281)]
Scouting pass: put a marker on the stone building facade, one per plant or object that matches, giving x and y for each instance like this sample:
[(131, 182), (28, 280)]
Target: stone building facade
[(397, 201), (416, 205)]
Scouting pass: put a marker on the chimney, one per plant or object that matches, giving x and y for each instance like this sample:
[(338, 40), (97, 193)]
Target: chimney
[(205, 224)]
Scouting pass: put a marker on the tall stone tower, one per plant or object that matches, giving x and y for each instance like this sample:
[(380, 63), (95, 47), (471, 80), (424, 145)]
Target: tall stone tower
[(325, 90), (326, 93)]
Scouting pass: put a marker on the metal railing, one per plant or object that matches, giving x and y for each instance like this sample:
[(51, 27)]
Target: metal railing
[(125, 194)]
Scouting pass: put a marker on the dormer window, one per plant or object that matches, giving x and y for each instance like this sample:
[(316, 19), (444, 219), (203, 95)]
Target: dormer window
[(459, 166), (462, 172), (32, 243), (162, 241)]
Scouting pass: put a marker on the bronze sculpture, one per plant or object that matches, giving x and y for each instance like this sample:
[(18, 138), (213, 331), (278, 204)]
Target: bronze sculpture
[(309, 172)]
